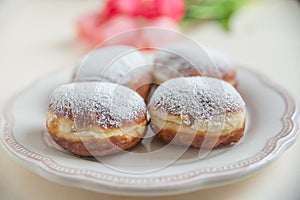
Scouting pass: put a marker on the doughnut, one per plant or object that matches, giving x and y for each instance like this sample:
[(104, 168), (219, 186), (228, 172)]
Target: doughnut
[(120, 64), (96, 118), (197, 111), (189, 59)]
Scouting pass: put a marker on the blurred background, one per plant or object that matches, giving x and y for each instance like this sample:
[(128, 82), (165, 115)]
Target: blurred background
[(40, 36)]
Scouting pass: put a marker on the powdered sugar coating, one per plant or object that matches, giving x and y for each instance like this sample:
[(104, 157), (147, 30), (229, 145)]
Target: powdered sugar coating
[(197, 100), (97, 103), (223, 63), (187, 59), (116, 64)]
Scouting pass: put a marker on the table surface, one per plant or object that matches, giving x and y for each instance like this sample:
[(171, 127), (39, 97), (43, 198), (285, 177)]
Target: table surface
[(37, 37)]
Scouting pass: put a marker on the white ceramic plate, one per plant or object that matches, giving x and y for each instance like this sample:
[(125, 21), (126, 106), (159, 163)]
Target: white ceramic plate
[(271, 128)]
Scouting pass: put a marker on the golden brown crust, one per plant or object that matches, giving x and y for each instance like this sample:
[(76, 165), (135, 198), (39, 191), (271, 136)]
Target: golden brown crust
[(196, 140), (143, 86), (96, 147), (144, 91), (230, 78), (92, 146)]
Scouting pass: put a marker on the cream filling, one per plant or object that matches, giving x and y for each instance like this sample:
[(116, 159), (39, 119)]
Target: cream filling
[(228, 124), (67, 129)]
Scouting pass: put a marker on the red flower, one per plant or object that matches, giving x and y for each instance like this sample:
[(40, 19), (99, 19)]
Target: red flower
[(168, 8), (124, 15), (125, 7), (146, 8)]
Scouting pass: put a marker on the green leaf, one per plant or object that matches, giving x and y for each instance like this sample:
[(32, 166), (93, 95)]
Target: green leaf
[(218, 10)]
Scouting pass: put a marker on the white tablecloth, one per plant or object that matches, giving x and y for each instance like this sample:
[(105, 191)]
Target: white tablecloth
[(37, 37)]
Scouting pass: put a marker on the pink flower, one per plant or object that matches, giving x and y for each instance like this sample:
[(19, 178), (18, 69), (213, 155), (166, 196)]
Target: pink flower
[(168, 8), (86, 25), (125, 7), (95, 28), (147, 8), (124, 15), (114, 26)]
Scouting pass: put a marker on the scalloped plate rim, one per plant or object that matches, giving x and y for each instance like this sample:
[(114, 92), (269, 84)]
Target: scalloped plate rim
[(192, 182)]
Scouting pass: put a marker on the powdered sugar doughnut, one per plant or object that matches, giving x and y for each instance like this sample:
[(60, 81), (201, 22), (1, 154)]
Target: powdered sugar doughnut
[(189, 59), (120, 64), (96, 118), (196, 108)]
